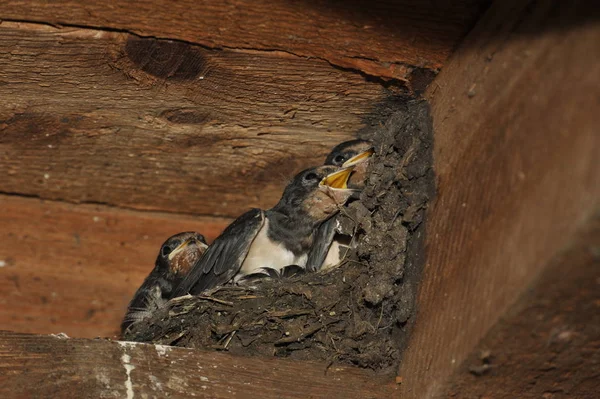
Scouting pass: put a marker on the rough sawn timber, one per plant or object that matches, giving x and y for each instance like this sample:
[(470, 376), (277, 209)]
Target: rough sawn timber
[(59, 367), (74, 268), (105, 117), (384, 38), (548, 344), (516, 123)]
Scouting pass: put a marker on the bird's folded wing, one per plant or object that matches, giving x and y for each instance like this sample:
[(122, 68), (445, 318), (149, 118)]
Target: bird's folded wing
[(321, 243), (224, 257)]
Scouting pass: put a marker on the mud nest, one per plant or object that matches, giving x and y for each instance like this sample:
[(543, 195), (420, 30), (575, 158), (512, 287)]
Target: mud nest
[(358, 313)]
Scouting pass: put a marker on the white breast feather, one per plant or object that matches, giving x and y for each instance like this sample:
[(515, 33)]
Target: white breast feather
[(264, 253)]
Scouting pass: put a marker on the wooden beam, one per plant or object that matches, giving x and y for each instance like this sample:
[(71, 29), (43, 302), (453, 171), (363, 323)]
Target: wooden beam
[(110, 118), (73, 268), (52, 366), (516, 123), (385, 38), (548, 344)]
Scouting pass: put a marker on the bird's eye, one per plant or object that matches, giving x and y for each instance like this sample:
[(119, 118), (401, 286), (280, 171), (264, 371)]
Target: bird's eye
[(166, 250), (311, 176), (340, 159)]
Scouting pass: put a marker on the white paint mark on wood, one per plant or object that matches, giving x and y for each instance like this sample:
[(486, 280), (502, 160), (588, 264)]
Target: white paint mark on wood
[(178, 384), (125, 360), (107, 389), (103, 379), (156, 384), (128, 344), (162, 350), (61, 335)]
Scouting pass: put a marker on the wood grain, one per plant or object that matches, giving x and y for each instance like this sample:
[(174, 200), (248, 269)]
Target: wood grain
[(111, 118), (548, 344), (384, 38), (73, 268), (51, 367), (516, 122)]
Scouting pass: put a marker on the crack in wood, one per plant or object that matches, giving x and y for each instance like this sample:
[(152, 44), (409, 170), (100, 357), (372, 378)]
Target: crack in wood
[(391, 73)]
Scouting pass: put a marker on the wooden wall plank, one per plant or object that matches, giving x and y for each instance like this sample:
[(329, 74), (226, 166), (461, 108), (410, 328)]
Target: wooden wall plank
[(46, 366), (104, 117), (516, 123), (384, 38), (73, 268), (548, 344)]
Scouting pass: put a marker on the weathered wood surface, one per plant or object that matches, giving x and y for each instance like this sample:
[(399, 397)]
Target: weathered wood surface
[(104, 117), (384, 38), (516, 121), (73, 268), (214, 128), (548, 345), (54, 367)]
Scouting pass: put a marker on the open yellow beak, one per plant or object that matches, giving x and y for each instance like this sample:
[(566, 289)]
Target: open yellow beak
[(180, 248), (363, 156), (337, 179)]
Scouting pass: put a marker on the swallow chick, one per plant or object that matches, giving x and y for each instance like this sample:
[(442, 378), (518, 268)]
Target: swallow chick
[(355, 153), (269, 241), (176, 257), (330, 247)]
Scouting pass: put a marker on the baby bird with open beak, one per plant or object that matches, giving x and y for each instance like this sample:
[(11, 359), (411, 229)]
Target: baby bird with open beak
[(329, 246), (355, 153), (269, 241)]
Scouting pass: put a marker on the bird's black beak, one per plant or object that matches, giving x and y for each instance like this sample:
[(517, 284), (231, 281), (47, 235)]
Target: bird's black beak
[(355, 160), (337, 180)]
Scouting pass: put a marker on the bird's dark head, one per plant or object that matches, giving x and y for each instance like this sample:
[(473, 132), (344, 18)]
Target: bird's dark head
[(356, 153), (179, 253), (316, 192), (349, 153)]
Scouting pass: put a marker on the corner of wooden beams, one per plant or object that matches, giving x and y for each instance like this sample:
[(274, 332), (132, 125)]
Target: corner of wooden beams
[(548, 344), (516, 117), (152, 115)]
